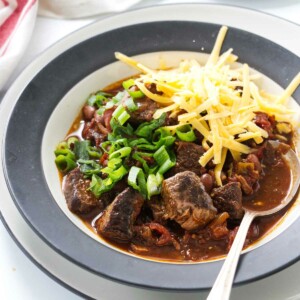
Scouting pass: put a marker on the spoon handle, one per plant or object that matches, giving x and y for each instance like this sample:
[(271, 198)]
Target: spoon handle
[(222, 286)]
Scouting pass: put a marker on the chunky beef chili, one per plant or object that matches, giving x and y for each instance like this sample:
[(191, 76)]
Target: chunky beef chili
[(141, 187)]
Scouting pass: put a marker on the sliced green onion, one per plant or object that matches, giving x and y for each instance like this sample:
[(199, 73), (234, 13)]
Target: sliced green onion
[(108, 181), (102, 93), (120, 143), (101, 110), (123, 117), (136, 179), (114, 124), (165, 141), (116, 99), (136, 142), (62, 145), (64, 163), (136, 94), (137, 157), (145, 129), (105, 146), (154, 184), (118, 111), (153, 170), (118, 174), (186, 133), (109, 104), (164, 160), (147, 147), (159, 178), (99, 186), (113, 102), (161, 133), (147, 154), (114, 163), (161, 155), (127, 84), (65, 152), (97, 100), (71, 140), (107, 170), (123, 152), (130, 104), (94, 152), (168, 164)]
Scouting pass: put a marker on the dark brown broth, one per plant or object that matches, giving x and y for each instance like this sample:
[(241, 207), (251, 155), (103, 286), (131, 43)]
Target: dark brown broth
[(273, 189), (198, 250)]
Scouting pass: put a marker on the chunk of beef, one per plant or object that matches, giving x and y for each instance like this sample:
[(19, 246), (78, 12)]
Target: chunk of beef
[(108, 197), (228, 198), (157, 208), (186, 201), (145, 111), (117, 221), (187, 158), (79, 198)]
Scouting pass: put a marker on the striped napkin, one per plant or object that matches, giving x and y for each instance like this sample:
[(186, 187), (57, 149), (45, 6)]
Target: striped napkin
[(17, 19)]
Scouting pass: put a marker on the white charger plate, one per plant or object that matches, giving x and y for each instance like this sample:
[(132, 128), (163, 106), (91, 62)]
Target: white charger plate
[(205, 13)]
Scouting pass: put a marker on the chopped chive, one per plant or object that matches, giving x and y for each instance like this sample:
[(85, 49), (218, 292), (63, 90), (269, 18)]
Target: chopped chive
[(136, 179), (123, 152), (186, 133), (130, 104), (127, 84), (64, 163)]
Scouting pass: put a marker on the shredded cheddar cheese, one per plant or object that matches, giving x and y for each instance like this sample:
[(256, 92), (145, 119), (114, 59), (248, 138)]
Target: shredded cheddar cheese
[(219, 101)]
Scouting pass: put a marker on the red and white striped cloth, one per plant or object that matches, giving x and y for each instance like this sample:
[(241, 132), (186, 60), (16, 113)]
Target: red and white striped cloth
[(17, 18)]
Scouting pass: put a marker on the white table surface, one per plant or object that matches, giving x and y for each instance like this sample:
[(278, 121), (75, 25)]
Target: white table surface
[(19, 277)]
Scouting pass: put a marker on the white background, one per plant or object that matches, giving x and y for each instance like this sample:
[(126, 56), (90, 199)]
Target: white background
[(19, 277)]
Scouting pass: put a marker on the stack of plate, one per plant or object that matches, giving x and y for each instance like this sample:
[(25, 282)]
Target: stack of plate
[(30, 204)]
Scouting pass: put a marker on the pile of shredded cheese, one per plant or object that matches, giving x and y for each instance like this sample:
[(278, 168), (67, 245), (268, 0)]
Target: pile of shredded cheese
[(213, 103)]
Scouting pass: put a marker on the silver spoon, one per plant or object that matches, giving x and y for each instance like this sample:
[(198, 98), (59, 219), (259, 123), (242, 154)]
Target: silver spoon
[(223, 284)]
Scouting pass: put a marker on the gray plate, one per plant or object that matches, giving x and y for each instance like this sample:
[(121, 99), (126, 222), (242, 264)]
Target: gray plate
[(22, 152)]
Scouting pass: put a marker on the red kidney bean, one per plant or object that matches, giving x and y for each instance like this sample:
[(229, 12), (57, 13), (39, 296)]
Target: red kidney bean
[(207, 181), (88, 112)]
